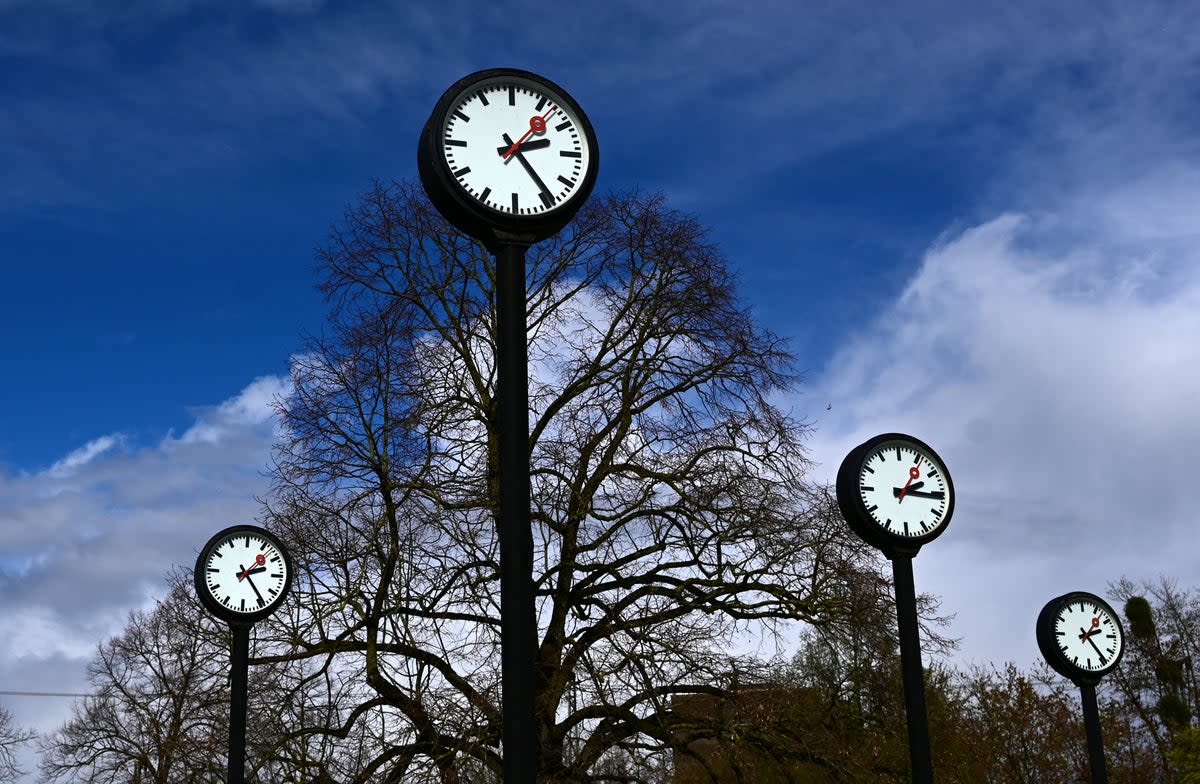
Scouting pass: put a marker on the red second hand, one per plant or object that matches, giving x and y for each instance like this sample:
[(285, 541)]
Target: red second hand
[(259, 560), (536, 125), (913, 473)]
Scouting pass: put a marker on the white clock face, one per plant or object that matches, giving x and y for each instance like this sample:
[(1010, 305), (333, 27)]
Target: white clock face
[(1087, 635), (514, 147), (245, 572), (904, 489)]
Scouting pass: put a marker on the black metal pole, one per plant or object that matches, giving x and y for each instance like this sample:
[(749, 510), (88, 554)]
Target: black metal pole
[(1091, 724), (910, 667), (518, 626), (239, 663)]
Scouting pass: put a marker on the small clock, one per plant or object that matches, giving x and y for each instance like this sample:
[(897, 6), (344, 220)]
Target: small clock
[(507, 151), (1080, 636), (243, 574), (895, 492)]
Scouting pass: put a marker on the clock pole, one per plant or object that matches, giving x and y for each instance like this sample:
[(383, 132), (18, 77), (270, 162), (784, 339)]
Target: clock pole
[(518, 626), (911, 669), (1095, 743), (239, 665)]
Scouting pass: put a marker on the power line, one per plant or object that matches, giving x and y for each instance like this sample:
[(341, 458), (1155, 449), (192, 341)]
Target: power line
[(42, 694)]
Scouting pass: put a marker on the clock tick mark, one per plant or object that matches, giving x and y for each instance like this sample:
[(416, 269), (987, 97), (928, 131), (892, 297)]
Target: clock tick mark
[(461, 116)]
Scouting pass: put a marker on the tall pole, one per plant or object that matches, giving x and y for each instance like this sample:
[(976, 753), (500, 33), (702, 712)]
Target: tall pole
[(1091, 724), (518, 626), (910, 666), (239, 663)]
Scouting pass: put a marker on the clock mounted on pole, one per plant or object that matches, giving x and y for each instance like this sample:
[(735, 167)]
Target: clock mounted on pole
[(896, 494), (242, 575), (508, 157)]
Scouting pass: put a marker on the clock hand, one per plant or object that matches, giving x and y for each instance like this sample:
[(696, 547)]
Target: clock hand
[(261, 601), (544, 192), (1098, 651), (913, 473), (1095, 627), (533, 144), (935, 494), (536, 125), (259, 559), (911, 487)]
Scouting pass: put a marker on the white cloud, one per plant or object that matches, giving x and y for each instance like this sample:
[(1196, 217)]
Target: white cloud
[(93, 537), (253, 406), (84, 454), (1053, 361)]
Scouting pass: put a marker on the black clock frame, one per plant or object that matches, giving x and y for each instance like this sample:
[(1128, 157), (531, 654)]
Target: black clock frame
[(1048, 643), (221, 611), (855, 511), (464, 212)]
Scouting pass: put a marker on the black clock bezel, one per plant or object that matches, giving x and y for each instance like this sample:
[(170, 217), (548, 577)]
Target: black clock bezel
[(210, 602), (469, 215), (855, 511), (1047, 643)]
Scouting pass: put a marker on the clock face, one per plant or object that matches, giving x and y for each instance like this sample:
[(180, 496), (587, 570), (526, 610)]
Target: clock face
[(243, 573), (1087, 633), (515, 146), (895, 492), (904, 488)]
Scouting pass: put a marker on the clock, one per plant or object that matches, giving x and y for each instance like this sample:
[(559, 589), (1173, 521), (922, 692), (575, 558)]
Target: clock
[(507, 153), (1080, 636), (895, 493), (243, 574)]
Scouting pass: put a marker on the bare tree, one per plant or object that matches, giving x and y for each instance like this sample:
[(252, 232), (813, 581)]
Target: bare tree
[(12, 738), (155, 712), (159, 709), (671, 517), (1153, 691)]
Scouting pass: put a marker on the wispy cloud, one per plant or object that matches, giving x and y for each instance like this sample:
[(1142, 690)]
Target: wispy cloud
[(84, 455)]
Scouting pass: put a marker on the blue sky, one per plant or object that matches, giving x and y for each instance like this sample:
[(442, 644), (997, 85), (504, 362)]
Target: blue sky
[(978, 227)]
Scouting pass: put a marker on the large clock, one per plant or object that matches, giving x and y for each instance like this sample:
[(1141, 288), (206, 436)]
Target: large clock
[(1080, 636), (243, 574), (895, 492), (507, 153)]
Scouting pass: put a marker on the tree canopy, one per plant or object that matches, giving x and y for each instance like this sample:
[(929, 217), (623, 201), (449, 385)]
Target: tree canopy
[(671, 513)]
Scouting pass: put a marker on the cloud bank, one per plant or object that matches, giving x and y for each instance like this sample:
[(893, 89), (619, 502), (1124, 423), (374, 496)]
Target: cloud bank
[(91, 538), (1053, 361)]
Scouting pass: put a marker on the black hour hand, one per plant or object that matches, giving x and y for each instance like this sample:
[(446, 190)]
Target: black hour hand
[(532, 144), (936, 494)]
